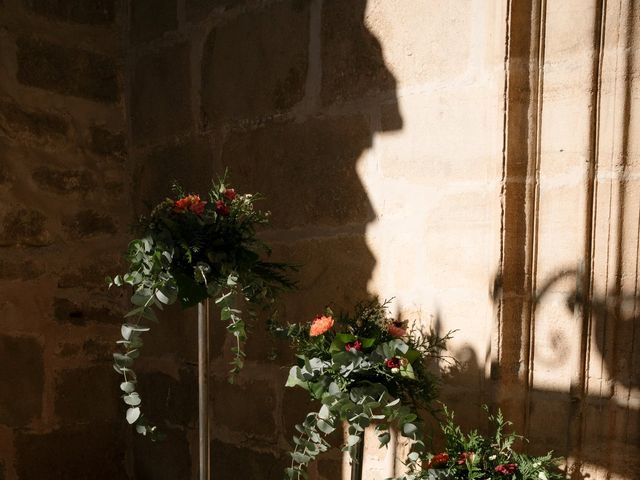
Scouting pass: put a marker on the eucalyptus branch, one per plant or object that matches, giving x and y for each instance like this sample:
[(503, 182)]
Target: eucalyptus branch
[(191, 250)]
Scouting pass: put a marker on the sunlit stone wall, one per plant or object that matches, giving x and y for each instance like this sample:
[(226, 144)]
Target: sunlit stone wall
[(476, 160)]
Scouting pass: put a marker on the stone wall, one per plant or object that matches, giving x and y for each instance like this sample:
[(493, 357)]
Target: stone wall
[(67, 183), (459, 156)]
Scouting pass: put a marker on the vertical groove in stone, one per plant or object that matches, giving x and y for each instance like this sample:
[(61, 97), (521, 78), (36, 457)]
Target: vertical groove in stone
[(519, 198), (579, 381)]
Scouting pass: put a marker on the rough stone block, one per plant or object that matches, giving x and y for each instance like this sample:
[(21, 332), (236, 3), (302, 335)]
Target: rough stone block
[(161, 99), (190, 163), (152, 18), (312, 163), (87, 395), (21, 380), (24, 226), (93, 452), (234, 462), (89, 223), (177, 332), (430, 41), (68, 71), (95, 12), (62, 180), (19, 269), (168, 399), (91, 276), (273, 45), (67, 311), (105, 142), (352, 65), (200, 9), (340, 279), (166, 460), (258, 420), (32, 126)]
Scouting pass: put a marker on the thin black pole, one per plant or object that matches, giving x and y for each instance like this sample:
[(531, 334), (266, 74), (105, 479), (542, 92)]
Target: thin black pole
[(358, 459), (203, 391)]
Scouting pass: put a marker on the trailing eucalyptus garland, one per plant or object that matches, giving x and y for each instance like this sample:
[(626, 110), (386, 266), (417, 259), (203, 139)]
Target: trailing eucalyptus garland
[(364, 369), (192, 249)]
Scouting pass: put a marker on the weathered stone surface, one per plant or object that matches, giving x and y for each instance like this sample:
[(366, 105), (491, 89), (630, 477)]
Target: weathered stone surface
[(352, 65), (63, 181), (67, 311), (32, 126), (234, 462), (329, 469), (166, 460), (87, 395), (93, 452), (312, 163), (161, 99), (258, 420), (340, 279), (96, 12), (24, 226), (151, 18), (168, 399), (88, 223), (200, 9), (21, 380), (91, 276), (190, 163), (271, 77), (105, 142), (67, 70), (23, 270)]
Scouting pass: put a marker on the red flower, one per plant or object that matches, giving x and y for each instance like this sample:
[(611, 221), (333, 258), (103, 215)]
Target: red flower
[(393, 362), (507, 468), (230, 193), (320, 325), (464, 456), (438, 460), (357, 345), (222, 208), (190, 202)]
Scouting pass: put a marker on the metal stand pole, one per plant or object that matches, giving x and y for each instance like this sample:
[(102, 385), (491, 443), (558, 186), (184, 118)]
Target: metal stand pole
[(358, 459), (203, 391)]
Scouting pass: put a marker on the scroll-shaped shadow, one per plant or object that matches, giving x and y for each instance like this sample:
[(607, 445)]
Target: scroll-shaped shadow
[(607, 417)]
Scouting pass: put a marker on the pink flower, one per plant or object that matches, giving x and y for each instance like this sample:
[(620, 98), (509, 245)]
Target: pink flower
[(320, 325), (507, 468), (393, 362), (222, 208), (464, 456), (357, 345)]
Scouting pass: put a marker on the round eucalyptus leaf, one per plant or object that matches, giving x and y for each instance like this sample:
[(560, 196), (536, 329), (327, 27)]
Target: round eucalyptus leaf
[(133, 414)]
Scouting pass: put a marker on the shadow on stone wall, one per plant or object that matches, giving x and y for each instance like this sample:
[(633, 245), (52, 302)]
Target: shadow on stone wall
[(597, 430)]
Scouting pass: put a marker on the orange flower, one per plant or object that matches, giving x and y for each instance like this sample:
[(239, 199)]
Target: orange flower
[(320, 325), (438, 460), (396, 329), (190, 202)]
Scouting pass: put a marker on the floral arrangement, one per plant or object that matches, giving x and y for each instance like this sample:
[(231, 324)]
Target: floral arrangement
[(191, 249), (364, 369), (473, 456)]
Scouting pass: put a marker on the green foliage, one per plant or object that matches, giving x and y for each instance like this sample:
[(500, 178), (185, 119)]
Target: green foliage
[(474, 456), (189, 250), (365, 369)]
